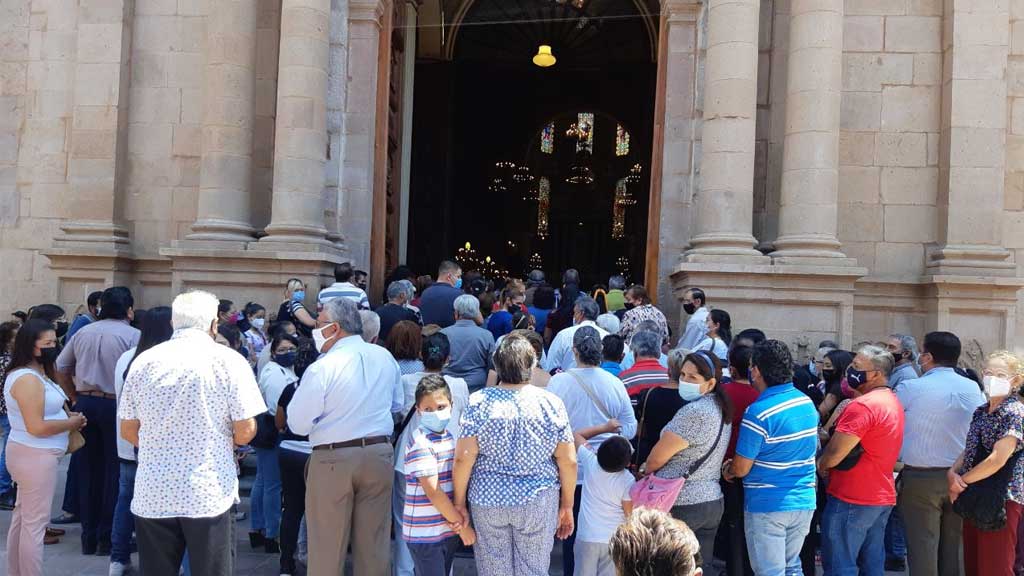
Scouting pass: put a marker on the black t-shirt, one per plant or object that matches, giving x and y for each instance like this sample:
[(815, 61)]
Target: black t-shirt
[(286, 312), (282, 402), (660, 408), (391, 314)]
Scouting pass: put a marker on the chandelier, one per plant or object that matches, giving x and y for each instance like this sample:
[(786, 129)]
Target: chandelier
[(536, 262), (634, 174), (521, 174), (466, 257), (580, 174), (622, 263)]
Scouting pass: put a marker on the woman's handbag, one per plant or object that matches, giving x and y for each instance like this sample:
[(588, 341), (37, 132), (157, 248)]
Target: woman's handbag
[(661, 493), (984, 502), (75, 438)]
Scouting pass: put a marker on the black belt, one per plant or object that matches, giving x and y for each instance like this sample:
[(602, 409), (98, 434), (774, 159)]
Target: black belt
[(357, 443)]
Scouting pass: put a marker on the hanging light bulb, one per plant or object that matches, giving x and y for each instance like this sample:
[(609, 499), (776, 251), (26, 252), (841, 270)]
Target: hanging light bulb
[(544, 57)]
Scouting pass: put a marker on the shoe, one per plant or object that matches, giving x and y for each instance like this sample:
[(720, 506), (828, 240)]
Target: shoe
[(103, 549), (256, 539), (88, 550), (270, 546), (64, 518), (55, 531), (47, 540), (895, 564), (118, 569)]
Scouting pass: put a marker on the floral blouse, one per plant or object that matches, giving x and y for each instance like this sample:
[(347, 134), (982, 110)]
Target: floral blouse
[(1007, 420)]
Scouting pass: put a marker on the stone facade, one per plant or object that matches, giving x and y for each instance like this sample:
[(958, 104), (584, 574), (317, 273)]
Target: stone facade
[(823, 168)]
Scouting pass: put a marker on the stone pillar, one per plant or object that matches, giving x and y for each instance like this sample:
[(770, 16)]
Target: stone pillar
[(808, 208), (225, 179), (724, 204), (972, 146), (300, 150)]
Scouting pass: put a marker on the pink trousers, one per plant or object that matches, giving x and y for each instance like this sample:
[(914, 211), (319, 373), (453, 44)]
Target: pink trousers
[(35, 471)]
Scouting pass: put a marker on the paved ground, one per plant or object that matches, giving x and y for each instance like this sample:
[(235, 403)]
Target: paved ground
[(65, 559)]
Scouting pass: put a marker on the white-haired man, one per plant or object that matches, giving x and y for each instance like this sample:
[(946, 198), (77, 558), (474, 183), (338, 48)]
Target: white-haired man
[(345, 404), (186, 404), (472, 346), (371, 326)]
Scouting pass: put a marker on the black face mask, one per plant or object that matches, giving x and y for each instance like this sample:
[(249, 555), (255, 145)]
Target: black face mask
[(629, 305), (512, 308), (48, 356), (690, 308), (62, 329), (828, 375)]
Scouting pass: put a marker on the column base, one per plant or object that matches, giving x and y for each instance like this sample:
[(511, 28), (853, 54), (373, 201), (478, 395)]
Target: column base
[(300, 237), (217, 230), (971, 260), (725, 249), (800, 305), (809, 250)]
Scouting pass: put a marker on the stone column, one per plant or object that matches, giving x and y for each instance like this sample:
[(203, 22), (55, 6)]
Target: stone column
[(808, 208), (972, 146), (724, 204), (300, 150), (225, 179)]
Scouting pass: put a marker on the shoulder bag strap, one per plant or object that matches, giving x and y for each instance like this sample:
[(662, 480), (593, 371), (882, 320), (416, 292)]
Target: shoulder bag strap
[(590, 393), (640, 426), (700, 462)]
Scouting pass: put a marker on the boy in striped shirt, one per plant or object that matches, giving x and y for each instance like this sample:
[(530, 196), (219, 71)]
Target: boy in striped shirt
[(431, 526)]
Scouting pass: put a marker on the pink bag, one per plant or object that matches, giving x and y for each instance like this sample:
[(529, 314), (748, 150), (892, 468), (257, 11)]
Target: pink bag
[(660, 493), (656, 493)]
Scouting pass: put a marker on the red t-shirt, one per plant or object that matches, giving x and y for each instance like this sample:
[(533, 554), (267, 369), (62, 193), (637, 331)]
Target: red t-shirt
[(741, 395), (877, 419)]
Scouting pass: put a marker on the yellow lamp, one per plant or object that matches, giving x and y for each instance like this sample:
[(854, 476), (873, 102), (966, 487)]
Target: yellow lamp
[(467, 246), (544, 57)]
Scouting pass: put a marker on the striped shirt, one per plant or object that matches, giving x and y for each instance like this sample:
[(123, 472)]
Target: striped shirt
[(429, 454), (344, 290), (779, 432), (646, 373)]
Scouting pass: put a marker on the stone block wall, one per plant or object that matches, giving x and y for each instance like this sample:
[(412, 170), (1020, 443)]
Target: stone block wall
[(1013, 215)]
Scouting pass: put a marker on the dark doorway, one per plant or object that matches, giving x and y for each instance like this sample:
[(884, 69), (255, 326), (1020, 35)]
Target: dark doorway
[(486, 109)]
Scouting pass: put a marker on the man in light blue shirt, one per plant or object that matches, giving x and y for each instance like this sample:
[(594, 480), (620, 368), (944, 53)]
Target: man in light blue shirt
[(904, 350), (938, 407), (695, 304), (345, 403), (472, 346), (560, 353), (775, 454)]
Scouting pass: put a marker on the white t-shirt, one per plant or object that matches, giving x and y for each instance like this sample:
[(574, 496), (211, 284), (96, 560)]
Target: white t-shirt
[(125, 450), (601, 505), (274, 378), (716, 346)]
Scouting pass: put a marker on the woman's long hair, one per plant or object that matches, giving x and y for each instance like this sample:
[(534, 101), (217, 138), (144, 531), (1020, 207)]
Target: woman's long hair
[(156, 329), (25, 345), (721, 317)]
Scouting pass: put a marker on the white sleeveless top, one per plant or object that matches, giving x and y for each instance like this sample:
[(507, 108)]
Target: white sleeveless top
[(53, 409)]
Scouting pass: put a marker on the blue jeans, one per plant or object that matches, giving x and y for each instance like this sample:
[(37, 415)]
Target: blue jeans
[(5, 477), (265, 498), (774, 540), (852, 539), (124, 522), (895, 536)]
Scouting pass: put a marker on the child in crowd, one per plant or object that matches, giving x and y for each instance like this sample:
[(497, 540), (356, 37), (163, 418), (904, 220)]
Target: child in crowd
[(605, 502), (431, 525)]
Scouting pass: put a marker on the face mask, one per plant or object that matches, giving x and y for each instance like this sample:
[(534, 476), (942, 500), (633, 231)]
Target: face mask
[(319, 339), (812, 368), (299, 295), (285, 360), (458, 283), (48, 355), (258, 323), (828, 375), (62, 329), (512, 309), (855, 378), (689, 391), (436, 421), (996, 386), (689, 308), (629, 305)]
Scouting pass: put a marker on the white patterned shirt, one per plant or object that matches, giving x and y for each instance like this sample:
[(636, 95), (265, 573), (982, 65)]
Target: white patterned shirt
[(187, 393)]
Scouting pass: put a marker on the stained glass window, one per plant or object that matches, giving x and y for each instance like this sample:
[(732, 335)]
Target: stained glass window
[(621, 141), (585, 123), (619, 210), (543, 204), (547, 139)]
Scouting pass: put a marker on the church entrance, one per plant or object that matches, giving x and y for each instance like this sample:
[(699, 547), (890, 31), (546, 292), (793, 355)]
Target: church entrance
[(534, 166)]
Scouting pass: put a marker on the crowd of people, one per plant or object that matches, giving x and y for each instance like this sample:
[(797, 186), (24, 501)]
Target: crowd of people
[(502, 416)]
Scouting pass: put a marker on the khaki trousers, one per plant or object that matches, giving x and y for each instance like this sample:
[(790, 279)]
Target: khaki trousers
[(934, 531), (35, 471), (348, 494)]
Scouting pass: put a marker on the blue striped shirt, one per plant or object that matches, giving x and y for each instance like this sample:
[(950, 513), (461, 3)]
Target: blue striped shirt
[(779, 432), (344, 290)]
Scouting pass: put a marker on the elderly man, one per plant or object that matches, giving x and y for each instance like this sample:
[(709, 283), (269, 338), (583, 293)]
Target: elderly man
[(695, 303), (939, 406), (861, 489), (904, 350), (533, 281), (344, 403), (90, 359), (472, 346), (186, 404), (647, 371), (396, 310), (560, 354), (371, 326)]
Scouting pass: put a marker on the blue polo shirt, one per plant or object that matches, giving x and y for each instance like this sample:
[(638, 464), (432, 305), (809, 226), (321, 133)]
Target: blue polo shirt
[(779, 432), (437, 304)]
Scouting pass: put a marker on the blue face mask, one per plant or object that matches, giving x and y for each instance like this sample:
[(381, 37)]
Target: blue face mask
[(286, 360), (299, 295), (436, 421), (689, 391), (458, 283)]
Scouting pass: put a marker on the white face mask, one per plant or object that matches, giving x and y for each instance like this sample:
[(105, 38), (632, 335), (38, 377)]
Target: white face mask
[(258, 323), (996, 386), (689, 391), (319, 339)]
